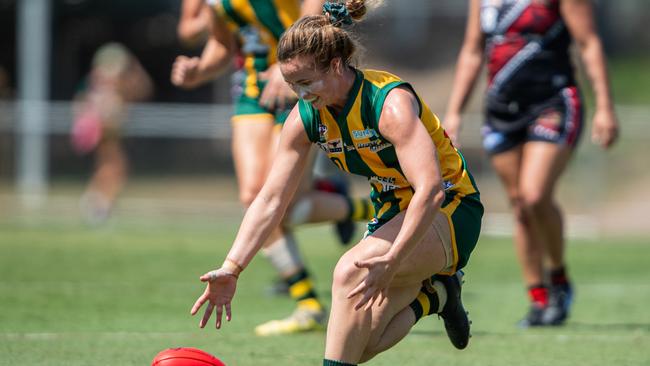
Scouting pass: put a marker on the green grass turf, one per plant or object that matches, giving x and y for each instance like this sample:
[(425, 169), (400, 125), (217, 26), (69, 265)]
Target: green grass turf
[(70, 295)]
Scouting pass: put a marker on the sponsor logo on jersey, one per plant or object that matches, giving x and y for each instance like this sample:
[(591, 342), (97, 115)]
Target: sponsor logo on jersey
[(447, 185), (374, 146), (364, 134), (322, 132), (334, 146)]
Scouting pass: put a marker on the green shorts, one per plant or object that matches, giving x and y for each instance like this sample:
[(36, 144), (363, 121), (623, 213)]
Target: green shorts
[(465, 216), (247, 91)]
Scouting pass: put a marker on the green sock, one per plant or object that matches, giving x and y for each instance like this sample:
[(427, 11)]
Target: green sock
[(327, 362)]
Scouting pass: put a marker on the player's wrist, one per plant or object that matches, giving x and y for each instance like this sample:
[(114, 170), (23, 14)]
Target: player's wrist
[(232, 267)]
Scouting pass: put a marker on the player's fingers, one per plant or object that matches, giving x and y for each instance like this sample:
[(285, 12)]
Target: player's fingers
[(206, 315), (363, 264), (366, 297), (357, 290), (371, 301), (382, 297), (210, 276), (197, 305), (219, 315), (228, 312)]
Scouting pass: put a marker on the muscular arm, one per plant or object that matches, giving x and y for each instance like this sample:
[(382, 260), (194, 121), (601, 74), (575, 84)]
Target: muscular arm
[(191, 72), (579, 18), (219, 50), (268, 208), (194, 22), (468, 66), (400, 124)]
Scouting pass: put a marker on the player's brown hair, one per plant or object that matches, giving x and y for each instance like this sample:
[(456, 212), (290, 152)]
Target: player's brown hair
[(325, 37)]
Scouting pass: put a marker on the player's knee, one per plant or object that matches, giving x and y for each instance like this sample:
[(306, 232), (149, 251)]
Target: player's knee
[(344, 276), (533, 202), (247, 195), (517, 208)]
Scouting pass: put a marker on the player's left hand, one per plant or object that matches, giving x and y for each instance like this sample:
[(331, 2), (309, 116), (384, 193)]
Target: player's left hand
[(605, 128), (219, 291), (381, 271), (276, 94)]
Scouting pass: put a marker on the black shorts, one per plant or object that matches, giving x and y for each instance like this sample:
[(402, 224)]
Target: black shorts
[(557, 120)]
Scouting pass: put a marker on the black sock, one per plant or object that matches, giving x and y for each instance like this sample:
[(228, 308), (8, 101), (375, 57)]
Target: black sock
[(559, 276), (327, 362)]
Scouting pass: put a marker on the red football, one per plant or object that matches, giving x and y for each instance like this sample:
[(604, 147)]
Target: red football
[(185, 356)]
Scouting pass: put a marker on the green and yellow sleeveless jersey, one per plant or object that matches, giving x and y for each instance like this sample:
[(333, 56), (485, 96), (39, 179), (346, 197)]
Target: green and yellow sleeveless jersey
[(258, 24), (353, 142)]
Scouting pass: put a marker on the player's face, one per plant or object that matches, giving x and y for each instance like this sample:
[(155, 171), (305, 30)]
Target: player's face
[(311, 84)]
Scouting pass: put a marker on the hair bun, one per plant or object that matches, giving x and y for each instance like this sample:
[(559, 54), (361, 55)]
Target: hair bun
[(356, 8)]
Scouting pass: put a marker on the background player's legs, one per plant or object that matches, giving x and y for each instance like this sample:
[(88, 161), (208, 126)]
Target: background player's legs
[(255, 141), (350, 333), (529, 173), (254, 144), (106, 183), (327, 200), (528, 247), (542, 165)]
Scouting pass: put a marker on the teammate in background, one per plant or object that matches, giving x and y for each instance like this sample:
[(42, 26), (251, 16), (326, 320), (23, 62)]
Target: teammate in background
[(194, 23), (429, 211), (533, 121), (192, 29), (116, 79), (262, 103)]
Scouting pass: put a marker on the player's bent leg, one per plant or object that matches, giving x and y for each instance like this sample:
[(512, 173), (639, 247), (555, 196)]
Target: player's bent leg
[(351, 331)]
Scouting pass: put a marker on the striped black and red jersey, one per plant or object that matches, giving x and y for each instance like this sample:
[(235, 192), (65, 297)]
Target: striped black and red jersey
[(527, 49)]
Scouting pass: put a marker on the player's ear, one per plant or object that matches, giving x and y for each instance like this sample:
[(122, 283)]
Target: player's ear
[(336, 66)]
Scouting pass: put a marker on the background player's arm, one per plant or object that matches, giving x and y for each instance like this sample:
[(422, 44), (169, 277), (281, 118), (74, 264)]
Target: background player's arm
[(579, 18), (276, 93), (190, 72), (194, 22), (470, 60), (311, 7)]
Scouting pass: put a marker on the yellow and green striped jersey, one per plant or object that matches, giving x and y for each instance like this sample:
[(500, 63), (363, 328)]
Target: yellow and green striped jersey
[(353, 142), (258, 25)]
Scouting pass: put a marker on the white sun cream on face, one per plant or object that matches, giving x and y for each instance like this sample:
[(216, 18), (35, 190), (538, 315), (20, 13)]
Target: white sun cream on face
[(304, 91)]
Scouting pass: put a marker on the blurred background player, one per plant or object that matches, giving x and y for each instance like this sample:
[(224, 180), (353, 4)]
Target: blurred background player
[(262, 102), (533, 121), (116, 79)]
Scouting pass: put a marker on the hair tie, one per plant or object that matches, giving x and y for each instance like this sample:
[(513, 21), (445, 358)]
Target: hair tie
[(338, 14)]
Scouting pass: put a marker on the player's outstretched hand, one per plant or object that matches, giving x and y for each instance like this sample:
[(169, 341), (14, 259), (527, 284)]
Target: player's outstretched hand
[(219, 291)]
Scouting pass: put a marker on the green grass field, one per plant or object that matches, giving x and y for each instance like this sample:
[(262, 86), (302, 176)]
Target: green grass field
[(71, 295)]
